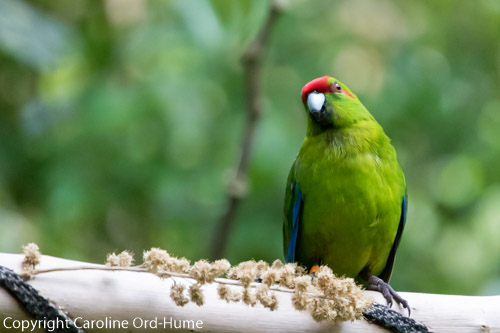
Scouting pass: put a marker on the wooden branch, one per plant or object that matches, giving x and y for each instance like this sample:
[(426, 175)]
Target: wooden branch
[(124, 296), (237, 188)]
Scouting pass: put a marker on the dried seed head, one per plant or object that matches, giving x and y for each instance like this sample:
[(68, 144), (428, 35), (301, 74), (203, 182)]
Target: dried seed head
[(330, 298), (177, 265), (262, 291), (125, 259), (270, 277), (302, 283), (200, 271), (322, 309), (220, 267), (300, 300), (248, 297), (324, 278), (205, 272), (245, 271), (277, 264), (31, 257), (262, 267), (272, 304), (344, 298), (177, 294), (287, 275), (228, 294), (267, 300), (223, 291), (196, 294), (155, 259), (112, 260)]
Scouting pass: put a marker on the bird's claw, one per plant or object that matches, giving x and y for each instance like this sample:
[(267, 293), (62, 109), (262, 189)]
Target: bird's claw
[(377, 284)]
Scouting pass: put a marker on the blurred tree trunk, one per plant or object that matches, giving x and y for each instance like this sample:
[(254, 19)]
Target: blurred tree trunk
[(237, 188)]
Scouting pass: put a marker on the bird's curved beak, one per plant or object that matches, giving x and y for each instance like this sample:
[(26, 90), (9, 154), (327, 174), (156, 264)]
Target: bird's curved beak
[(315, 101), (317, 109)]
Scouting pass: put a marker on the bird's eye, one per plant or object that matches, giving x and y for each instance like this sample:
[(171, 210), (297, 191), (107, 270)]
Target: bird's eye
[(338, 87)]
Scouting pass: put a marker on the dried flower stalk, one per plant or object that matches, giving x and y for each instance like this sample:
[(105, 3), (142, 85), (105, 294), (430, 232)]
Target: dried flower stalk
[(327, 297)]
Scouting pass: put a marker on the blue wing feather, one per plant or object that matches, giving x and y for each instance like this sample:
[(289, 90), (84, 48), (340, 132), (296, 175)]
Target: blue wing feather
[(386, 273), (290, 256), (403, 211)]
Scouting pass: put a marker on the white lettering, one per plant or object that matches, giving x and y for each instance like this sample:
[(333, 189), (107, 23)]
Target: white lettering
[(106, 323), (5, 323), (137, 322), (169, 322), (76, 322)]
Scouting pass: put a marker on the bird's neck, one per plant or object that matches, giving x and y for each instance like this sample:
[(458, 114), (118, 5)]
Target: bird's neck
[(364, 136)]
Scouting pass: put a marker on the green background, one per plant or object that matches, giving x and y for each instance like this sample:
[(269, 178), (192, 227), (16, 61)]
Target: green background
[(120, 124)]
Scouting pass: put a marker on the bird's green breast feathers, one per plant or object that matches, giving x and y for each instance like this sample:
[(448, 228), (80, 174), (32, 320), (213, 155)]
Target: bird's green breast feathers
[(352, 189)]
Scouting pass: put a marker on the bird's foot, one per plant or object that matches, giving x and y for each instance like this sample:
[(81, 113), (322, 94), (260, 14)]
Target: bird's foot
[(377, 284)]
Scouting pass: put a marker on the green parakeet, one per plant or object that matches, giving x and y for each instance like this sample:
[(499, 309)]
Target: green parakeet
[(345, 202)]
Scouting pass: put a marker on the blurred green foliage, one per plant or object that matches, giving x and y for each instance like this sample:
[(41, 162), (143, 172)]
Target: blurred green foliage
[(120, 123)]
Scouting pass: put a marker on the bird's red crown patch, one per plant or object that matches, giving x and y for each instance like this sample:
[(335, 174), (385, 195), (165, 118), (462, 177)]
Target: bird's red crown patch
[(320, 85)]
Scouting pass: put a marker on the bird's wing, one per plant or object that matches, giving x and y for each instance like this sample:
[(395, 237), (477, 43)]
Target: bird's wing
[(386, 273), (292, 215)]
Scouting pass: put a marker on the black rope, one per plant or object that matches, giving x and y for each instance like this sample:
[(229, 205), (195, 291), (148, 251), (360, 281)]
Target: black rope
[(393, 321), (35, 304)]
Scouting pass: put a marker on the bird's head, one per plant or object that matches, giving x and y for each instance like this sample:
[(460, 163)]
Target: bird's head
[(331, 105)]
